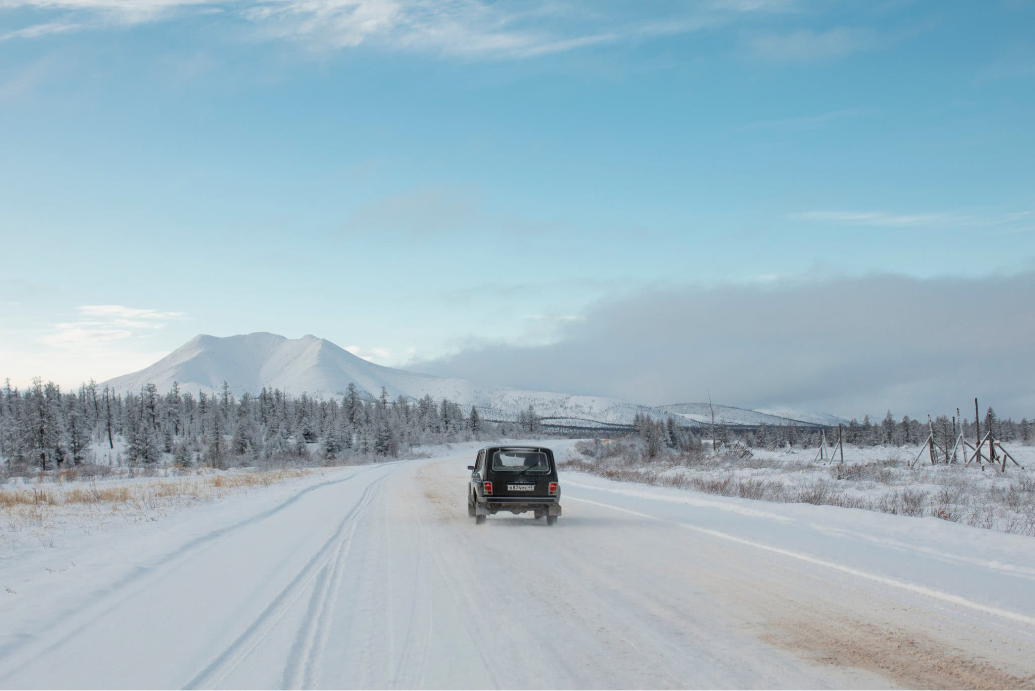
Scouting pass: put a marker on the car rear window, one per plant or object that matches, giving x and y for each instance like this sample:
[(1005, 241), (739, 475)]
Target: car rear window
[(514, 461)]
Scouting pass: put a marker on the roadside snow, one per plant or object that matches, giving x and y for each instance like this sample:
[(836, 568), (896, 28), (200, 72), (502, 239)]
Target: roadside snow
[(873, 478)]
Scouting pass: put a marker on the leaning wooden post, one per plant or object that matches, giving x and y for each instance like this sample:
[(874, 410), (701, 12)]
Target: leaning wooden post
[(955, 441), (977, 432), (930, 443), (991, 446), (963, 437)]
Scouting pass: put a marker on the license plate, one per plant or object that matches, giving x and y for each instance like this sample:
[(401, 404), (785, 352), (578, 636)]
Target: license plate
[(520, 488)]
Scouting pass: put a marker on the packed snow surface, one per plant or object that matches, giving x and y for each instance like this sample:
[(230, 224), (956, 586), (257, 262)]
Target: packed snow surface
[(320, 368), (375, 577)]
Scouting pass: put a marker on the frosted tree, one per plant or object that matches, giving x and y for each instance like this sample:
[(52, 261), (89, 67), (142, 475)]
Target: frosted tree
[(182, 454), (174, 409), (671, 433), (351, 403), (9, 424), (77, 431), (535, 422), (34, 424), (216, 451), (304, 422), (888, 429), (992, 423), (383, 438)]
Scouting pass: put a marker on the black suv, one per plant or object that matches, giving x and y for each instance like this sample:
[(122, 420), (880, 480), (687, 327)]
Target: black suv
[(515, 479)]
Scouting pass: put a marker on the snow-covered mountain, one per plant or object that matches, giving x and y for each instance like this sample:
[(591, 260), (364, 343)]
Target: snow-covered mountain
[(249, 363), (319, 368)]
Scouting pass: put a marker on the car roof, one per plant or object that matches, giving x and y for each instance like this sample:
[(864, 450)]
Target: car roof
[(514, 446)]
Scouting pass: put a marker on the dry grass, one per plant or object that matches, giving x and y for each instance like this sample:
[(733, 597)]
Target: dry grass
[(198, 487), (36, 513)]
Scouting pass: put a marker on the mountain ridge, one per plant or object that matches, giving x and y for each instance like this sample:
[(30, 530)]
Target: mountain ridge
[(320, 368)]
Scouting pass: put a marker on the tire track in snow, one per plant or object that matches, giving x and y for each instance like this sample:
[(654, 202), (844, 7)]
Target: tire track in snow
[(414, 653), (71, 622), (426, 597), (281, 604), (314, 637)]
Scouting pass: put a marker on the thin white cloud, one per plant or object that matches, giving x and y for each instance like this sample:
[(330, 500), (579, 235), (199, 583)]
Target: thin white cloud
[(756, 5), (885, 219), (99, 326), (804, 45), (873, 218), (460, 28), (419, 212), (42, 29), (122, 312), (27, 79)]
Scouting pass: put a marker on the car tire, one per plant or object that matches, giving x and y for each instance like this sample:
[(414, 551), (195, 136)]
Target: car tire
[(550, 520), (478, 520), (470, 506)]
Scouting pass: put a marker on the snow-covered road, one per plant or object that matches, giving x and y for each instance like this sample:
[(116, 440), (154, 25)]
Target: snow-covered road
[(376, 577)]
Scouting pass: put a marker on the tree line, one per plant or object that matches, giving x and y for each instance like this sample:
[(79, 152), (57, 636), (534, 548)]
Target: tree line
[(659, 434), (46, 429)]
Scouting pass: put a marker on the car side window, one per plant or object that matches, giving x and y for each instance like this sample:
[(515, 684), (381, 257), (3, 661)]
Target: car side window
[(481, 459)]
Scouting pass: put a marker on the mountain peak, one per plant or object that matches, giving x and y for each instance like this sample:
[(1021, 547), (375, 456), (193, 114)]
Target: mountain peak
[(318, 367), (251, 362)]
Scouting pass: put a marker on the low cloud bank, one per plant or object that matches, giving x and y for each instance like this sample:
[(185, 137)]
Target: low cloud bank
[(848, 346)]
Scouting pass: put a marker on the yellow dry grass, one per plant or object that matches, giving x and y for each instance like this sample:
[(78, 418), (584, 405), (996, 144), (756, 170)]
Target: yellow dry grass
[(149, 493)]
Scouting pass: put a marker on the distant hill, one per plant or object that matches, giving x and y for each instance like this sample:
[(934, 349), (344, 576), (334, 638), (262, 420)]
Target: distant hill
[(319, 368), (699, 414)]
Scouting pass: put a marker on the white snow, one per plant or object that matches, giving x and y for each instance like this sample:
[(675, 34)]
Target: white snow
[(375, 577)]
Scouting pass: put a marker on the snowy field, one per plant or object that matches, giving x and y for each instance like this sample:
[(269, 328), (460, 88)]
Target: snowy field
[(375, 577), (872, 478)]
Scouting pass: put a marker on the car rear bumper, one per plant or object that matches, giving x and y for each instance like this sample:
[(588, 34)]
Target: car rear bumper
[(549, 505), (531, 501)]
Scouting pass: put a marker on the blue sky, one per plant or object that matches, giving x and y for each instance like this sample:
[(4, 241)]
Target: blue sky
[(413, 179)]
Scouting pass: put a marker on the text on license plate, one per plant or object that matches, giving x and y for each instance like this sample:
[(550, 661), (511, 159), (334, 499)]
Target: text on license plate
[(520, 488)]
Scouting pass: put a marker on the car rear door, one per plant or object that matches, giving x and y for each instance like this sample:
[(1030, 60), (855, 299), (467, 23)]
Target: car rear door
[(516, 484)]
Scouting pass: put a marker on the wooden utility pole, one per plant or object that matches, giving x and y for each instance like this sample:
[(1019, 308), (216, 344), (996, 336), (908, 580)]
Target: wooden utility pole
[(821, 456), (930, 446), (107, 414), (713, 418), (991, 446), (977, 431), (962, 438), (840, 443)]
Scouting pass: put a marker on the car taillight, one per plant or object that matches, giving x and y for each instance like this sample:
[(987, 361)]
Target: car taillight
[(487, 486), (553, 488)]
